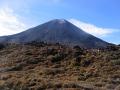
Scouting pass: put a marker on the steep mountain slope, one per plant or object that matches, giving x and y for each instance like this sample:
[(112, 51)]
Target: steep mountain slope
[(57, 31)]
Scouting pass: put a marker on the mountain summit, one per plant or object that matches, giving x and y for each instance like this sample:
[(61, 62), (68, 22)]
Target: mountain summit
[(56, 31)]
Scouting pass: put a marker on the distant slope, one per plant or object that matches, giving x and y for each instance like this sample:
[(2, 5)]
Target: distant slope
[(56, 31)]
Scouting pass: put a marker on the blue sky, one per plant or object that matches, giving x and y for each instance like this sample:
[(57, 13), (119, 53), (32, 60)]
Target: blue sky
[(100, 18)]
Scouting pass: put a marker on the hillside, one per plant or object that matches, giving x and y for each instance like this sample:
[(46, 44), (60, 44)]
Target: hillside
[(41, 66), (56, 31)]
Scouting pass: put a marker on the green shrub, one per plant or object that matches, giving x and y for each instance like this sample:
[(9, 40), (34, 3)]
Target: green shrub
[(84, 76), (115, 62), (57, 58)]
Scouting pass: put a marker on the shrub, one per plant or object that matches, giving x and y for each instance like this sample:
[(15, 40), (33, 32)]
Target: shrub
[(57, 58), (76, 61), (78, 51), (76, 47), (51, 51), (32, 61), (2, 46), (84, 76), (18, 67), (115, 62), (112, 47), (85, 63), (71, 85), (57, 85)]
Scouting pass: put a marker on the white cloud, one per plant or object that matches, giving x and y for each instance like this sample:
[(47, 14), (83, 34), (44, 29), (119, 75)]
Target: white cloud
[(9, 22), (92, 29)]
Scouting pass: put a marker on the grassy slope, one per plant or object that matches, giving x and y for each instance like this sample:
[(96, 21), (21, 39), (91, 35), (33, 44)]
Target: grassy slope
[(45, 66)]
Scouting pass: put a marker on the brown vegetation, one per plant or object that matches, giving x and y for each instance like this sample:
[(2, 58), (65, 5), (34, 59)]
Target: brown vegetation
[(40, 66)]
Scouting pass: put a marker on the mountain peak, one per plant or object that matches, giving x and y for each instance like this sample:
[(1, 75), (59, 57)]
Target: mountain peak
[(60, 21), (57, 31)]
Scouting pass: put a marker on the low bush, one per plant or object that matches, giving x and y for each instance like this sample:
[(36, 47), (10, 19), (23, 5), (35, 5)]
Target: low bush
[(2, 46), (115, 62), (57, 58), (85, 63)]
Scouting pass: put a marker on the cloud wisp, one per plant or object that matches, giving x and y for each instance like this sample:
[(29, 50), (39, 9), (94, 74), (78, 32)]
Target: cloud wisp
[(92, 29), (9, 22)]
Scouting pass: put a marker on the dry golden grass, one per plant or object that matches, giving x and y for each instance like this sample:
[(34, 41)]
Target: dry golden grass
[(51, 66)]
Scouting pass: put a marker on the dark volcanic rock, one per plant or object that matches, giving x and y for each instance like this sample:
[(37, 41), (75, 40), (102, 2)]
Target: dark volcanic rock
[(56, 31)]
